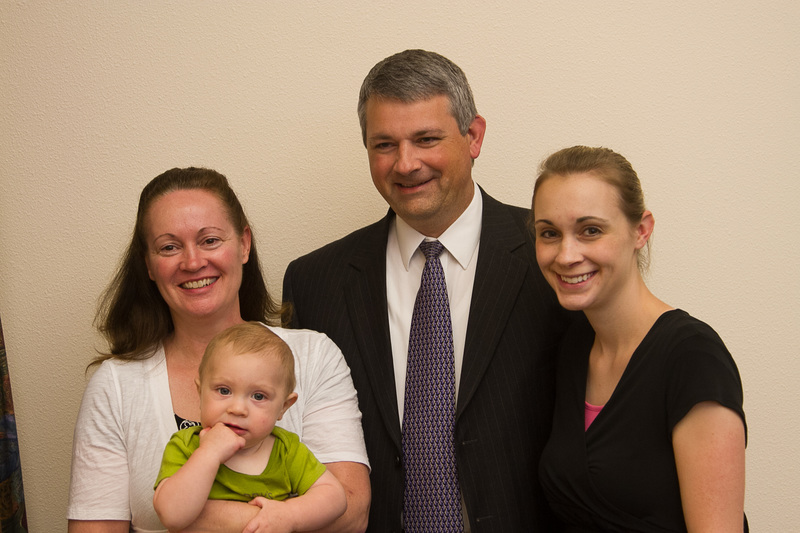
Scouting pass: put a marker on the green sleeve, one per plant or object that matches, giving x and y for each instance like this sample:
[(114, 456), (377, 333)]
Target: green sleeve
[(303, 468), (180, 446)]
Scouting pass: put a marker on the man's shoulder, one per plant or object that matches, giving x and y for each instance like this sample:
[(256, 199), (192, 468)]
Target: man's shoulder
[(365, 238), (492, 206), (504, 225)]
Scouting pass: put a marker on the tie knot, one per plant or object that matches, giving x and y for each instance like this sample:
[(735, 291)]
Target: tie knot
[(431, 249)]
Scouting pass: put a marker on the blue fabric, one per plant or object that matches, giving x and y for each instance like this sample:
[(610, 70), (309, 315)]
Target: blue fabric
[(12, 498)]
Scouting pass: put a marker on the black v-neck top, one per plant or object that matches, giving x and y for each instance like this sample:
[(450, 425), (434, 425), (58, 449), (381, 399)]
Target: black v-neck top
[(620, 474)]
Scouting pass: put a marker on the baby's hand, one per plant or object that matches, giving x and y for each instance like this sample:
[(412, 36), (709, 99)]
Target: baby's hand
[(220, 441), (272, 518)]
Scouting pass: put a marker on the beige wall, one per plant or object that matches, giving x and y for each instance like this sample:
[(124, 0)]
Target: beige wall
[(99, 97)]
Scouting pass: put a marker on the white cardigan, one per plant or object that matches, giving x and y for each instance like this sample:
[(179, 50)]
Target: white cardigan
[(126, 419)]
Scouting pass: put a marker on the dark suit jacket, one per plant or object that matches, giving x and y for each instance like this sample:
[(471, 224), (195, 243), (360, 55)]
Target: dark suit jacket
[(505, 398)]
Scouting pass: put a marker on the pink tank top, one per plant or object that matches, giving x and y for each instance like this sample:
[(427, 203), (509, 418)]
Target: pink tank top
[(590, 413)]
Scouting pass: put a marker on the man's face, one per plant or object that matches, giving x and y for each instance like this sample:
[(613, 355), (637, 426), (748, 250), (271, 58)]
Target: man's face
[(420, 162)]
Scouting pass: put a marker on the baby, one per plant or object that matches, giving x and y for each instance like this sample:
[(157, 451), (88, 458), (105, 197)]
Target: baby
[(246, 383)]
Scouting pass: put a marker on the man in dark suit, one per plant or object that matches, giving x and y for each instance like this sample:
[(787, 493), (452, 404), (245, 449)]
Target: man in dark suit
[(422, 134)]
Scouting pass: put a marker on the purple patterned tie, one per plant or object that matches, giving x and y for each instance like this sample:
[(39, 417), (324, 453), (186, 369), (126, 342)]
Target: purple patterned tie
[(432, 500)]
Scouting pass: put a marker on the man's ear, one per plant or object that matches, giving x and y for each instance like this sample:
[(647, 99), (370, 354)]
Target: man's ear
[(475, 134)]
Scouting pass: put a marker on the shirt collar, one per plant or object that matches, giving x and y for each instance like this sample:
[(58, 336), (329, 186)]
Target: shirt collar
[(460, 239)]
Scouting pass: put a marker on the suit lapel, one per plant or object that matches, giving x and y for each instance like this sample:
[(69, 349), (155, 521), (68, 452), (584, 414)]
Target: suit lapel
[(365, 294), (499, 276)]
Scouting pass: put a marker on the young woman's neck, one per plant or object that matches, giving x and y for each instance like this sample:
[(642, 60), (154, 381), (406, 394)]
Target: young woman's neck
[(627, 319)]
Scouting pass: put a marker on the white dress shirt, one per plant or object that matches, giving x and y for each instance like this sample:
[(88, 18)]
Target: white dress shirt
[(404, 264)]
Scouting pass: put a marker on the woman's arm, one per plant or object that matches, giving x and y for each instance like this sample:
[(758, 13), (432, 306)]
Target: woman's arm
[(227, 516), (98, 526), (354, 478), (331, 422), (322, 503), (101, 481), (709, 445)]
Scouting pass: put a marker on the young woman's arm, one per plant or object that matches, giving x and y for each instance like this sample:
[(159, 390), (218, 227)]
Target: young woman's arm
[(709, 445)]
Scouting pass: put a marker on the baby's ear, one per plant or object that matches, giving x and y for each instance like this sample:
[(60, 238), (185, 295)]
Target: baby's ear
[(287, 403), (197, 384)]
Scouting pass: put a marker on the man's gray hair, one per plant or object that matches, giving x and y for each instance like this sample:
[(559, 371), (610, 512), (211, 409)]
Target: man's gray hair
[(415, 75)]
